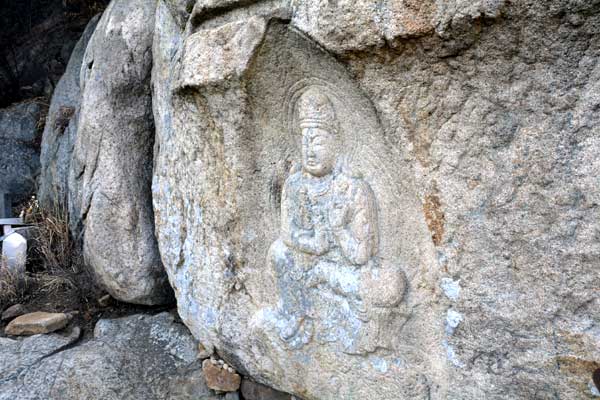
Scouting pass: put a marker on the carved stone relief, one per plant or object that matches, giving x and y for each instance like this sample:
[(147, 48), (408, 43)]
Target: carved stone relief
[(329, 234), (291, 246)]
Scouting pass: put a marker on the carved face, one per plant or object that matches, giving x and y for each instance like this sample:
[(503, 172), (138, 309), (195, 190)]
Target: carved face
[(318, 151)]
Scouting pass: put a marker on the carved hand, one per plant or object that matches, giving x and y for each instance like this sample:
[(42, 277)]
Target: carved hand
[(339, 214)]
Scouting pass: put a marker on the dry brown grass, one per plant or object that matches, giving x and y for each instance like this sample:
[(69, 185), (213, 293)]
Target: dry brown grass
[(57, 279), (55, 259), (51, 247), (12, 289), (56, 276)]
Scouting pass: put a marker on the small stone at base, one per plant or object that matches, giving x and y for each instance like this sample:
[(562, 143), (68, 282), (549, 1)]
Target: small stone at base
[(37, 323), (13, 311), (220, 379)]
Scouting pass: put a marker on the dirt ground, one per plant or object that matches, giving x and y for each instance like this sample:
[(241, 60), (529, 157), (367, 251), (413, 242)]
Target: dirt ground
[(57, 279), (85, 306)]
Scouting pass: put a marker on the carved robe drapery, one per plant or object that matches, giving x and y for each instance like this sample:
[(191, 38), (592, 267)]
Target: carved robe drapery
[(334, 217), (328, 233)]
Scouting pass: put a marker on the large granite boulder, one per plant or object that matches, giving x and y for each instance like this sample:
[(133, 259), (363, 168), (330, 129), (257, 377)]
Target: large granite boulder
[(111, 168), (60, 130), (136, 357), (384, 200), (19, 149)]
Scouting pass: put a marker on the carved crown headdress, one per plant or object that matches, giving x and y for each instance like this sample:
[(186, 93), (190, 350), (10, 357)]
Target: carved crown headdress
[(315, 110)]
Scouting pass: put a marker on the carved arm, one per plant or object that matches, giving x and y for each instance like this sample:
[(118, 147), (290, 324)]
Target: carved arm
[(356, 231), (311, 241)]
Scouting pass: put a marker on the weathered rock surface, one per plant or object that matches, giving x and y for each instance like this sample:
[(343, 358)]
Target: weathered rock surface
[(19, 154), (469, 193), (255, 391), (13, 311), (110, 174), (18, 356), (36, 323), (141, 356), (60, 130), (347, 26), (19, 122)]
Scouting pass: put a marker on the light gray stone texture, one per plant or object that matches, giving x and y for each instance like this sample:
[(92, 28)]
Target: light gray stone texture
[(60, 130), (19, 157), (141, 356), (346, 26), (180, 9), (111, 169), (473, 123), (18, 355)]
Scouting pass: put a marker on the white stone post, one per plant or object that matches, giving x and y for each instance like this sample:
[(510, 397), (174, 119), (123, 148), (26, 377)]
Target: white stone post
[(14, 251)]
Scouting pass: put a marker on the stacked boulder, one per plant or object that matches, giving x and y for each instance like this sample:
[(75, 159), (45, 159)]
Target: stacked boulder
[(97, 153), (352, 200)]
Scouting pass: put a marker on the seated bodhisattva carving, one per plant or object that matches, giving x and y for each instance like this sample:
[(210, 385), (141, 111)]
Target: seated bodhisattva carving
[(329, 228)]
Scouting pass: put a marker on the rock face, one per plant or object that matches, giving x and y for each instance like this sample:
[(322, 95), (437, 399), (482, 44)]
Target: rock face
[(141, 356), (255, 391), (111, 169), (391, 202), (19, 154), (61, 128)]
